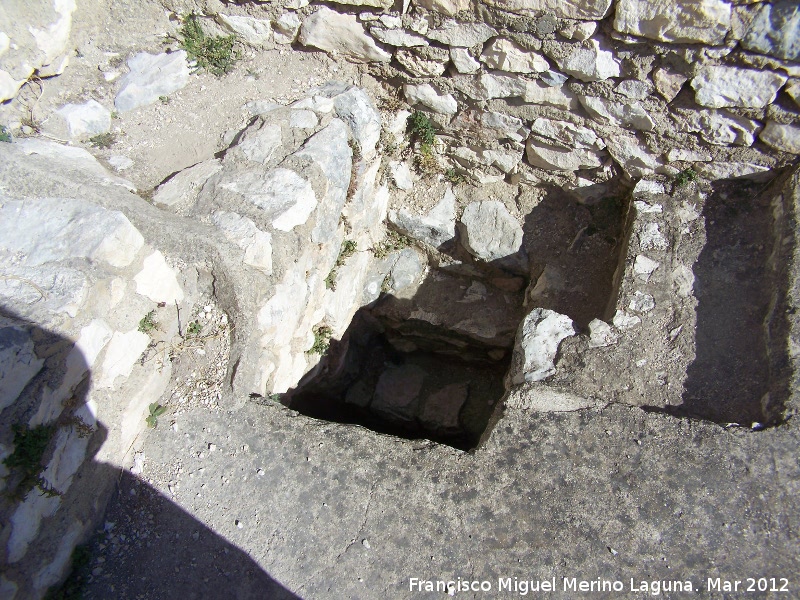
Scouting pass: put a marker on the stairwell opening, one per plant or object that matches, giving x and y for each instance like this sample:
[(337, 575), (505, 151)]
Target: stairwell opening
[(433, 364)]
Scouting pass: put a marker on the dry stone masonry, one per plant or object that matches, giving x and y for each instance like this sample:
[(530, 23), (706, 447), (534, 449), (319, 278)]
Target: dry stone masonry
[(547, 247)]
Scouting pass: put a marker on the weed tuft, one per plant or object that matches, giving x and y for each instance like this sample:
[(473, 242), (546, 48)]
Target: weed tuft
[(30, 444), (148, 322), (685, 177), (393, 241), (421, 128), (5, 134), (103, 140), (215, 54), (347, 250), (155, 410), (322, 339)]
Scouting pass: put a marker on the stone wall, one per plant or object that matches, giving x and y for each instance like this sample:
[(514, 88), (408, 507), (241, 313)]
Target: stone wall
[(577, 93)]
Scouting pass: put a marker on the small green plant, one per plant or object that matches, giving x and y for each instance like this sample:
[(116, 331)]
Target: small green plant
[(114, 114), (215, 54), (148, 322), (346, 251), (30, 444), (5, 134), (103, 140), (453, 176), (156, 410), (322, 339), (684, 177), (421, 128), (194, 328), (393, 241), (426, 161), (164, 99)]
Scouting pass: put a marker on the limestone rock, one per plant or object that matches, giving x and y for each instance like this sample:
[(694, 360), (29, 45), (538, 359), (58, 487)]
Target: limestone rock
[(384, 4), (435, 228), (122, 352), (440, 411), (590, 10), (341, 33), (400, 175), (634, 89), (717, 87), (18, 363), (357, 110), (33, 37), (785, 138), (397, 37), (151, 76), (52, 229), (601, 334), (427, 95), (256, 32), (462, 35), (668, 83), (536, 347), (406, 271), (719, 127), (184, 187), (286, 198), (687, 155), (397, 392), (420, 66), (158, 281), (775, 30), (699, 21), (793, 89), (732, 170), (643, 266), (256, 244), (286, 28), (445, 7), (563, 146), (260, 144), (505, 55), (630, 115), (85, 120), (329, 150), (463, 61), (537, 92), (633, 156), (487, 86), (590, 62), (489, 232), (553, 78)]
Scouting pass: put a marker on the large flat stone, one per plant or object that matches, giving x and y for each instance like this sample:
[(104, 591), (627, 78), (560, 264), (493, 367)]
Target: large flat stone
[(536, 349), (623, 114), (563, 146), (462, 35), (699, 21), (435, 228), (717, 87), (428, 96), (775, 30), (285, 197), (256, 244), (589, 62), (397, 393), (785, 138), (577, 9), (338, 33), (58, 229), (719, 127), (489, 232), (505, 55), (151, 76)]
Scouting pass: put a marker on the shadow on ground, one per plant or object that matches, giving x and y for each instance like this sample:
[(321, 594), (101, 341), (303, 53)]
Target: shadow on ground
[(740, 373), (150, 547)]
